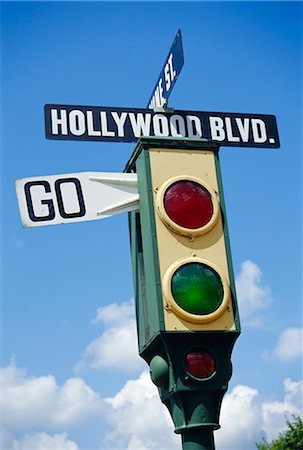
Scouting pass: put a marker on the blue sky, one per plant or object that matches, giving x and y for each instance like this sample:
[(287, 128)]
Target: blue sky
[(68, 330)]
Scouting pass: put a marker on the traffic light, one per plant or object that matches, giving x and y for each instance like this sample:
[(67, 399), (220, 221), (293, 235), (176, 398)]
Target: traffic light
[(186, 306)]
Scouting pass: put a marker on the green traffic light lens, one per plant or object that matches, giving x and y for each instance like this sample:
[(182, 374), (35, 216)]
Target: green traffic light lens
[(197, 288)]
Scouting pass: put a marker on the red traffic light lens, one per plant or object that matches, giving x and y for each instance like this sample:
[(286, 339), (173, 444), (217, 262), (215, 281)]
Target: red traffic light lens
[(200, 364), (188, 204)]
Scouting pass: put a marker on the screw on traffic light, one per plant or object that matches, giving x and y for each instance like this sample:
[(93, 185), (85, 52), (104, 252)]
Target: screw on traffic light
[(187, 315)]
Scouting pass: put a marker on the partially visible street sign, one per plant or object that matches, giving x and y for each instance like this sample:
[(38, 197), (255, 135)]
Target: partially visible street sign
[(169, 74), (75, 197), (99, 123)]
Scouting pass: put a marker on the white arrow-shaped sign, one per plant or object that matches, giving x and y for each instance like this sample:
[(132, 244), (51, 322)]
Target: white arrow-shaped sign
[(75, 197)]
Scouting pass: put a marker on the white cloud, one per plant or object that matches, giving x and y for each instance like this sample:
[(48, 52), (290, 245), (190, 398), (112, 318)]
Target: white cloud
[(116, 348), (253, 296), (38, 441), (135, 416), (115, 313), (241, 419), (256, 417), (289, 346), (274, 413), (33, 402), (7, 440), (138, 420)]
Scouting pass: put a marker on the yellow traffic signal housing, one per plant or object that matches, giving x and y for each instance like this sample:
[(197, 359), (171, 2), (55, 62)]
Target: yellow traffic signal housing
[(182, 233), (187, 315), (179, 245)]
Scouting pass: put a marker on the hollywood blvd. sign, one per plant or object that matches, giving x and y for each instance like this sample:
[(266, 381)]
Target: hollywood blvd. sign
[(97, 123)]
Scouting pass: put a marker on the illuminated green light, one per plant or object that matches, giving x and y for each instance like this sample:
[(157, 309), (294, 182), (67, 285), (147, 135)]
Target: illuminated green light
[(197, 288)]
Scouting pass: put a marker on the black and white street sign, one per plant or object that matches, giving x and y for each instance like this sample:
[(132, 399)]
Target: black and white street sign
[(169, 74), (97, 123), (75, 197)]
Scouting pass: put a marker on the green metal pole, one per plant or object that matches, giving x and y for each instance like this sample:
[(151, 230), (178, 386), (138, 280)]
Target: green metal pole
[(202, 439)]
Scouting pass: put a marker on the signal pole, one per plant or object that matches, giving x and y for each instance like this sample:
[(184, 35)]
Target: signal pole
[(198, 440)]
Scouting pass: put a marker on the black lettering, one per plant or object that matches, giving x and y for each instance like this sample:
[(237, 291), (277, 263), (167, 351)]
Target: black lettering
[(49, 203), (62, 211)]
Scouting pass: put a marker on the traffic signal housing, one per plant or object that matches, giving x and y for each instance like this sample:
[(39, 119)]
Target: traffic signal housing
[(187, 315)]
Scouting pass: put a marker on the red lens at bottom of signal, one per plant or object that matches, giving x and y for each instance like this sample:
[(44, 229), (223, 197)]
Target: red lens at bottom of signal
[(200, 364)]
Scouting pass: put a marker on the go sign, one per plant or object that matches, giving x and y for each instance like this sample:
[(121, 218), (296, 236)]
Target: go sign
[(75, 197)]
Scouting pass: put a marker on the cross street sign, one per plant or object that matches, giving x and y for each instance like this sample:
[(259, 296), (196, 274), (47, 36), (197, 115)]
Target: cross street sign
[(168, 75), (99, 123), (75, 197)]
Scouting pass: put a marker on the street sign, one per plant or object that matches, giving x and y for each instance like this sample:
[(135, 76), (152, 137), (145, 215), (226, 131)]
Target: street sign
[(168, 75), (75, 197), (101, 123)]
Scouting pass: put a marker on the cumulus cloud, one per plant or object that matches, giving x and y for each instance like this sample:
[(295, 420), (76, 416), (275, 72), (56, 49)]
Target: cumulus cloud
[(135, 417), (138, 420), (34, 402), (289, 346), (115, 313), (274, 413), (37, 441), (241, 419), (116, 347), (253, 296), (256, 417), (43, 441)]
